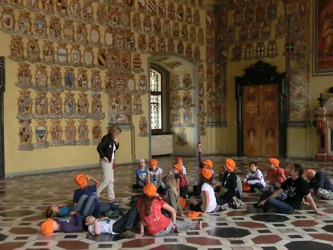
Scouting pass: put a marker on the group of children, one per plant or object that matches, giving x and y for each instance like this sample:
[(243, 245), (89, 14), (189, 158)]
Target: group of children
[(162, 197), (88, 210)]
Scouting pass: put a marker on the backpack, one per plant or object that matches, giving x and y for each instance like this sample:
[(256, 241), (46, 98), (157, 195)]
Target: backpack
[(239, 185), (182, 182)]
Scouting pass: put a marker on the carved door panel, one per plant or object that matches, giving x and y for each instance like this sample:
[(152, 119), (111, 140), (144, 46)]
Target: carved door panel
[(260, 112)]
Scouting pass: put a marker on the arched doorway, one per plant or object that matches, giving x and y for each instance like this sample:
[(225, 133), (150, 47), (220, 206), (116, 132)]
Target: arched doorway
[(261, 111), (179, 105)]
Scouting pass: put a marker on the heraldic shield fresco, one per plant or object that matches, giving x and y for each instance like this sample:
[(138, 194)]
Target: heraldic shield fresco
[(70, 52)]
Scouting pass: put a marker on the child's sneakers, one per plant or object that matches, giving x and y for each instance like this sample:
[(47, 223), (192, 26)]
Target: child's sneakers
[(217, 208), (196, 226), (183, 229), (225, 206)]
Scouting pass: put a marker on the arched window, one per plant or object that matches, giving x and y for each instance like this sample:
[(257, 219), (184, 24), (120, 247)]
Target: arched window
[(159, 100), (156, 120)]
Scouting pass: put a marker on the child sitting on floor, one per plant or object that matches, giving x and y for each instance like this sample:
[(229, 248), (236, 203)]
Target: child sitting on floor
[(67, 225), (208, 203), (202, 164), (255, 178), (141, 174), (172, 195), (181, 187), (154, 176)]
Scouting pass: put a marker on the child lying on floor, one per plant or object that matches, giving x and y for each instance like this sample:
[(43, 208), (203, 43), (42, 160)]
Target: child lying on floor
[(67, 225), (86, 206), (121, 226)]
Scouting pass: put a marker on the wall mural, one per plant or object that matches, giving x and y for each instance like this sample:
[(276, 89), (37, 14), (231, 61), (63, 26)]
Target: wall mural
[(71, 42), (254, 33)]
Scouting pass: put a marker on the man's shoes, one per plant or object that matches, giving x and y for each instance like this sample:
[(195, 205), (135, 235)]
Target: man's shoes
[(115, 200), (127, 234), (112, 214)]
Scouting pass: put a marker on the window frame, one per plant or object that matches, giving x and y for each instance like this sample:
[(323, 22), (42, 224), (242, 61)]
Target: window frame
[(157, 93)]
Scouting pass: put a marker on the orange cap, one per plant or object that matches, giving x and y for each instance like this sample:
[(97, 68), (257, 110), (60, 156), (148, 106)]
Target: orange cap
[(47, 227), (178, 167), (208, 163), (274, 161), (193, 214), (150, 190), (81, 180), (206, 173), (308, 172), (230, 164), (153, 162)]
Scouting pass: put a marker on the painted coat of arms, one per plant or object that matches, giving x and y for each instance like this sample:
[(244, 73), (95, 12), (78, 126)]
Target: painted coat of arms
[(33, 49), (70, 133), (41, 106), (24, 75), (55, 106), (56, 133), (96, 131), (24, 104), (83, 132), (48, 52), (70, 106), (41, 134), (25, 135)]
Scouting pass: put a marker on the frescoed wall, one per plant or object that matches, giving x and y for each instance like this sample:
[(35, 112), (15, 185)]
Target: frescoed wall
[(74, 67)]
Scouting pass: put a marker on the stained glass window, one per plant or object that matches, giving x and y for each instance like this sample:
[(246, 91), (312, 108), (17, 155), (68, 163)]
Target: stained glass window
[(155, 100)]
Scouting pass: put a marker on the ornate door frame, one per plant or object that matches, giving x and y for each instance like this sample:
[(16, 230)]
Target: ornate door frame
[(2, 140), (262, 73)]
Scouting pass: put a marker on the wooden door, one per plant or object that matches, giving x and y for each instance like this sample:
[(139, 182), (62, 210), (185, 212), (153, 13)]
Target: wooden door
[(260, 112)]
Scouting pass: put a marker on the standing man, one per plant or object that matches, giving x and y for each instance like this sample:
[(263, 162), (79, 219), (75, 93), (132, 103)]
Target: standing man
[(107, 151)]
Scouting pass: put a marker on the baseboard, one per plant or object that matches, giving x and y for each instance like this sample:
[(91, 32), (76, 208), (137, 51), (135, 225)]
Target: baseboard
[(49, 171)]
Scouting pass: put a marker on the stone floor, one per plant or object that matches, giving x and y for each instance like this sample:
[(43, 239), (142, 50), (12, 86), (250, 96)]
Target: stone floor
[(24, 199)]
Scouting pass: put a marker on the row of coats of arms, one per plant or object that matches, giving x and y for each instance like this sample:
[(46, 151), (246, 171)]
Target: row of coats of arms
[(70, 107), (56, 82), (74, 135)]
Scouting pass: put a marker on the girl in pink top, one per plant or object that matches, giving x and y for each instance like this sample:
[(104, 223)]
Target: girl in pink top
[(157, 224)]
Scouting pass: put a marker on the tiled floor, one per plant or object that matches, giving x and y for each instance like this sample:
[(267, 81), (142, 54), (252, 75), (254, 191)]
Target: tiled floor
[(24, 199)]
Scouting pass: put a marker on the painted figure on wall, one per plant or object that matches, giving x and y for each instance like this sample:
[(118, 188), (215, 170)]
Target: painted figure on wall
[(143, 125), (326, 33)]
